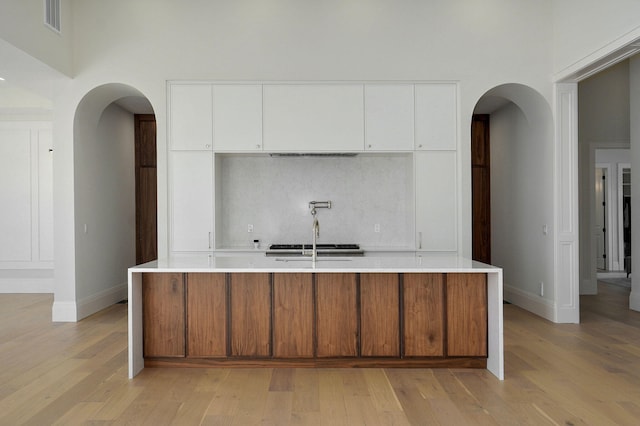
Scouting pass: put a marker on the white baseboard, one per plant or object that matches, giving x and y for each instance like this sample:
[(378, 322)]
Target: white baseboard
[(97, 302), (634, 300), (26, 285), (64, 312), (530, 302)]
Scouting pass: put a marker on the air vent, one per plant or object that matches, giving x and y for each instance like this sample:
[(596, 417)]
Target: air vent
[(52, 14)]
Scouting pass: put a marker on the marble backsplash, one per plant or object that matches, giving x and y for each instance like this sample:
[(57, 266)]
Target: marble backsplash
[(272, 195)]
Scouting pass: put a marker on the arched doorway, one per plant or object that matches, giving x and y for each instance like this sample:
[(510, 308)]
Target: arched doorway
[(105, 180), (513, 178)]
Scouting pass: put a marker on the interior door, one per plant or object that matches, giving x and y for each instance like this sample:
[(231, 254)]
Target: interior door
[(481, 188), (146, 188)]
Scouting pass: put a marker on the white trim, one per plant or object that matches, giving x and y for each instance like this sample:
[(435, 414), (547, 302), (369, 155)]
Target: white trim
[(566, 237), (26, 285), (530, 302), (64, 312), (95, 303)]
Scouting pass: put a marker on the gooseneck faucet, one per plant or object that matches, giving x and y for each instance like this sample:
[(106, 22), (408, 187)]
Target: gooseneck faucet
[(316, 234), (313, 205)]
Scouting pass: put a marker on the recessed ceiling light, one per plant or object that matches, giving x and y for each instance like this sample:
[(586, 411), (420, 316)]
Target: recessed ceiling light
[(1, 79)]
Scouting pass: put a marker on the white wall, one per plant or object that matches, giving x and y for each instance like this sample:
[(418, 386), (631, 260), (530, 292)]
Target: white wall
[(105, 204), (585, 30), (521, 184), (272, 194), (481, 45), (603, 122), (22, 25)]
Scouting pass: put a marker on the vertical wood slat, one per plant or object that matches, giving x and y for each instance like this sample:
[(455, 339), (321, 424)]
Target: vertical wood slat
[(293, 315), (250, 315), (466, 314), (423, 314), (380, 316), (206, 315), (163, 310), (337, 318)]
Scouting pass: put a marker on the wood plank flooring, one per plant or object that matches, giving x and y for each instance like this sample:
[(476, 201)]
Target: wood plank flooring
[(76, 374)]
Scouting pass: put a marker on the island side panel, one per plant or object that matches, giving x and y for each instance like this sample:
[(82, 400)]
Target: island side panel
[(136, 357), (293, 315), (250, 315), (467, 314), (424, 331), (380, 314), (495, 359), (206, 315), (337, 315)]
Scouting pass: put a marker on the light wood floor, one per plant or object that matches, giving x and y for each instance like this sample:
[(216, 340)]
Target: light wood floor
[(73, 374)]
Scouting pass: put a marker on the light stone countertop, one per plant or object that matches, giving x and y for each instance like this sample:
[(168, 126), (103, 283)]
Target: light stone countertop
[(421, 262)]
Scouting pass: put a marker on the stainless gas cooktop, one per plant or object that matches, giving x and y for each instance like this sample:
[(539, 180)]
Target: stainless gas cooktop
[(323, 249)]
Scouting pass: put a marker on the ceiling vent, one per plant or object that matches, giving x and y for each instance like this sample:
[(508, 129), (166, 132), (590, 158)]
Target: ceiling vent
[(52, 14)]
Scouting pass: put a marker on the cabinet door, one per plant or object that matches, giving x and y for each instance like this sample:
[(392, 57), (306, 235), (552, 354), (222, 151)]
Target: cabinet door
[(322, 117), (191, 122), (293, 315), (191, 215), (423, 301), (436, 116), (436, 201), (380, 315), (237, 117), (467, 314), (337, 316), (250, 317), (163, 315), (389, 114), (206, 315)]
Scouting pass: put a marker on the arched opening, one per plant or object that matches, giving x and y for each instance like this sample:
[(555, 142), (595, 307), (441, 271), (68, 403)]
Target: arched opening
[(106, 126), (513, 191)]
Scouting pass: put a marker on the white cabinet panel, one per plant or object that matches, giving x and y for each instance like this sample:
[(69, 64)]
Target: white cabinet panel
[(237, 117), (15, 195), (436, 116), (436, 201), (191, 186), (389, 113), (322, 117), (191, 121)]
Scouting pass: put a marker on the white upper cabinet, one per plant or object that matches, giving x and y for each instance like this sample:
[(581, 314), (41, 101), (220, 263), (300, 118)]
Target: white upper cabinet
[(313, 117), (389, 114), (436, 201), (237, 117), (191, 117), (436, 116)]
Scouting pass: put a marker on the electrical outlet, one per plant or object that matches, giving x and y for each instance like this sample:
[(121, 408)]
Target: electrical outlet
[(541, 289), (376, 227), (249, 228)]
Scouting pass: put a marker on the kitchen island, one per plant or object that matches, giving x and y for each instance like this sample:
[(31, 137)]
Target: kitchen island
[(371, 311)]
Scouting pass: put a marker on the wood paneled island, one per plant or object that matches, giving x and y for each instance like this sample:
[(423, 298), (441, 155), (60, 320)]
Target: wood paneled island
[(252, 311)]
